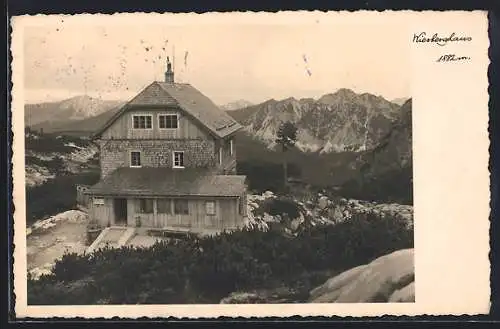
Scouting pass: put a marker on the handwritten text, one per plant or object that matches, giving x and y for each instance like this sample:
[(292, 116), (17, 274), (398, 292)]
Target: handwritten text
[(439, 40), (452, 58)]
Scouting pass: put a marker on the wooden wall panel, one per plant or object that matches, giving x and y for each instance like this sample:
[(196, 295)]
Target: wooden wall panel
[(187, 127)]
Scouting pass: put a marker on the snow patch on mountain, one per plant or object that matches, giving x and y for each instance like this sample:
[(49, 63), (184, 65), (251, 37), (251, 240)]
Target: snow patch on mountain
[(236, 105)]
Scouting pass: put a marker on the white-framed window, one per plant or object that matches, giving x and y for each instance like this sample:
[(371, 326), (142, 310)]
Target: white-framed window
[(210, 207), (135, 159), (181, 207), (98, 201), (142, 121), (167, 121), (178, 159)]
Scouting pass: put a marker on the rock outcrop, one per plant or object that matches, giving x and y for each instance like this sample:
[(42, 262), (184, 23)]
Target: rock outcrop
[(339, 121), (319, 210), (279, 295), (389, 278)]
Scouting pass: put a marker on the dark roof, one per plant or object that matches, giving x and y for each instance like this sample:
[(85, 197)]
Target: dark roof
[(169, 182), (186, 97)]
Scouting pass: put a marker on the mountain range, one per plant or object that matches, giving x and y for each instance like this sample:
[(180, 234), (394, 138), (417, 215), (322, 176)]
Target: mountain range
[(236, 105), (336, 122), (386, 172), (62, 115), (394, 150), (358, 144)]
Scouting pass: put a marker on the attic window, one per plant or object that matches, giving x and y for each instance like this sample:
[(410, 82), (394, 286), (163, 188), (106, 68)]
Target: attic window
[(142, 121), (167, 121)]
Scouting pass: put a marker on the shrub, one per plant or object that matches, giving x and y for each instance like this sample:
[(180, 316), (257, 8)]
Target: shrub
[(204, 270), (264, 176), (353, 242), (278, 206), (71, 267)]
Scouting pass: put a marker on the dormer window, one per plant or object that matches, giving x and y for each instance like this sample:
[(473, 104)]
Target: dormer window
[(142, 121), (167, 121)]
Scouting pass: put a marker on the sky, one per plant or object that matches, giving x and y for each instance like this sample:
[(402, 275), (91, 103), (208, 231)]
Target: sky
[(251, 60)]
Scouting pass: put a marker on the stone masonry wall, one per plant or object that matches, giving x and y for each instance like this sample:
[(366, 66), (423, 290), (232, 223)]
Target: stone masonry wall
[(156, 153)]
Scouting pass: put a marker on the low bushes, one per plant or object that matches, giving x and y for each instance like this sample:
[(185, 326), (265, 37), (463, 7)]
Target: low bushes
[(208, 269), (279, 206), (263, 176)]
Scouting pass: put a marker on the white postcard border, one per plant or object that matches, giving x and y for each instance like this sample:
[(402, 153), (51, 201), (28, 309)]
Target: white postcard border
[(451, 178)]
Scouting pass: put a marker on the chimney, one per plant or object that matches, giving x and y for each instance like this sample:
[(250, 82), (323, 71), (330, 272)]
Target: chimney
[(169, 75)]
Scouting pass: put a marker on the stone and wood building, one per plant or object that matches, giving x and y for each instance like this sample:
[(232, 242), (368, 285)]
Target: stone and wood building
[(168, 161)]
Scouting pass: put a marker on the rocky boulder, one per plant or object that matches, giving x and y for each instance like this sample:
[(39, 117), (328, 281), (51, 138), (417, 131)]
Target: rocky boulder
[(317, 210), (242, 298), (278, 295), (389, 278)]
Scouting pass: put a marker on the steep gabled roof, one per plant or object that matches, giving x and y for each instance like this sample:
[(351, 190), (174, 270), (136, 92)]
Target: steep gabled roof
[(187, 98), (160, 181)]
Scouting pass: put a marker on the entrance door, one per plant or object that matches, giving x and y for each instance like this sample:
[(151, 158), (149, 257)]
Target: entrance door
[(120, 208)]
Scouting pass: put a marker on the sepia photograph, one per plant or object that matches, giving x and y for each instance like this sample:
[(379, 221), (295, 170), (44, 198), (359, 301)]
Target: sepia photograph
[(175, 165), (199, 161)]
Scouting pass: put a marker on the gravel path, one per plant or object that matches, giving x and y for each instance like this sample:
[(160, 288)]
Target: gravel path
[(48, 240)]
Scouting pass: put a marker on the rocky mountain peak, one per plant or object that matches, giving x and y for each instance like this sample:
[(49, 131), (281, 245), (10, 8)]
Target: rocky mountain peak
[(343, 94), (71, 109), (341, 121), (235, 105)]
